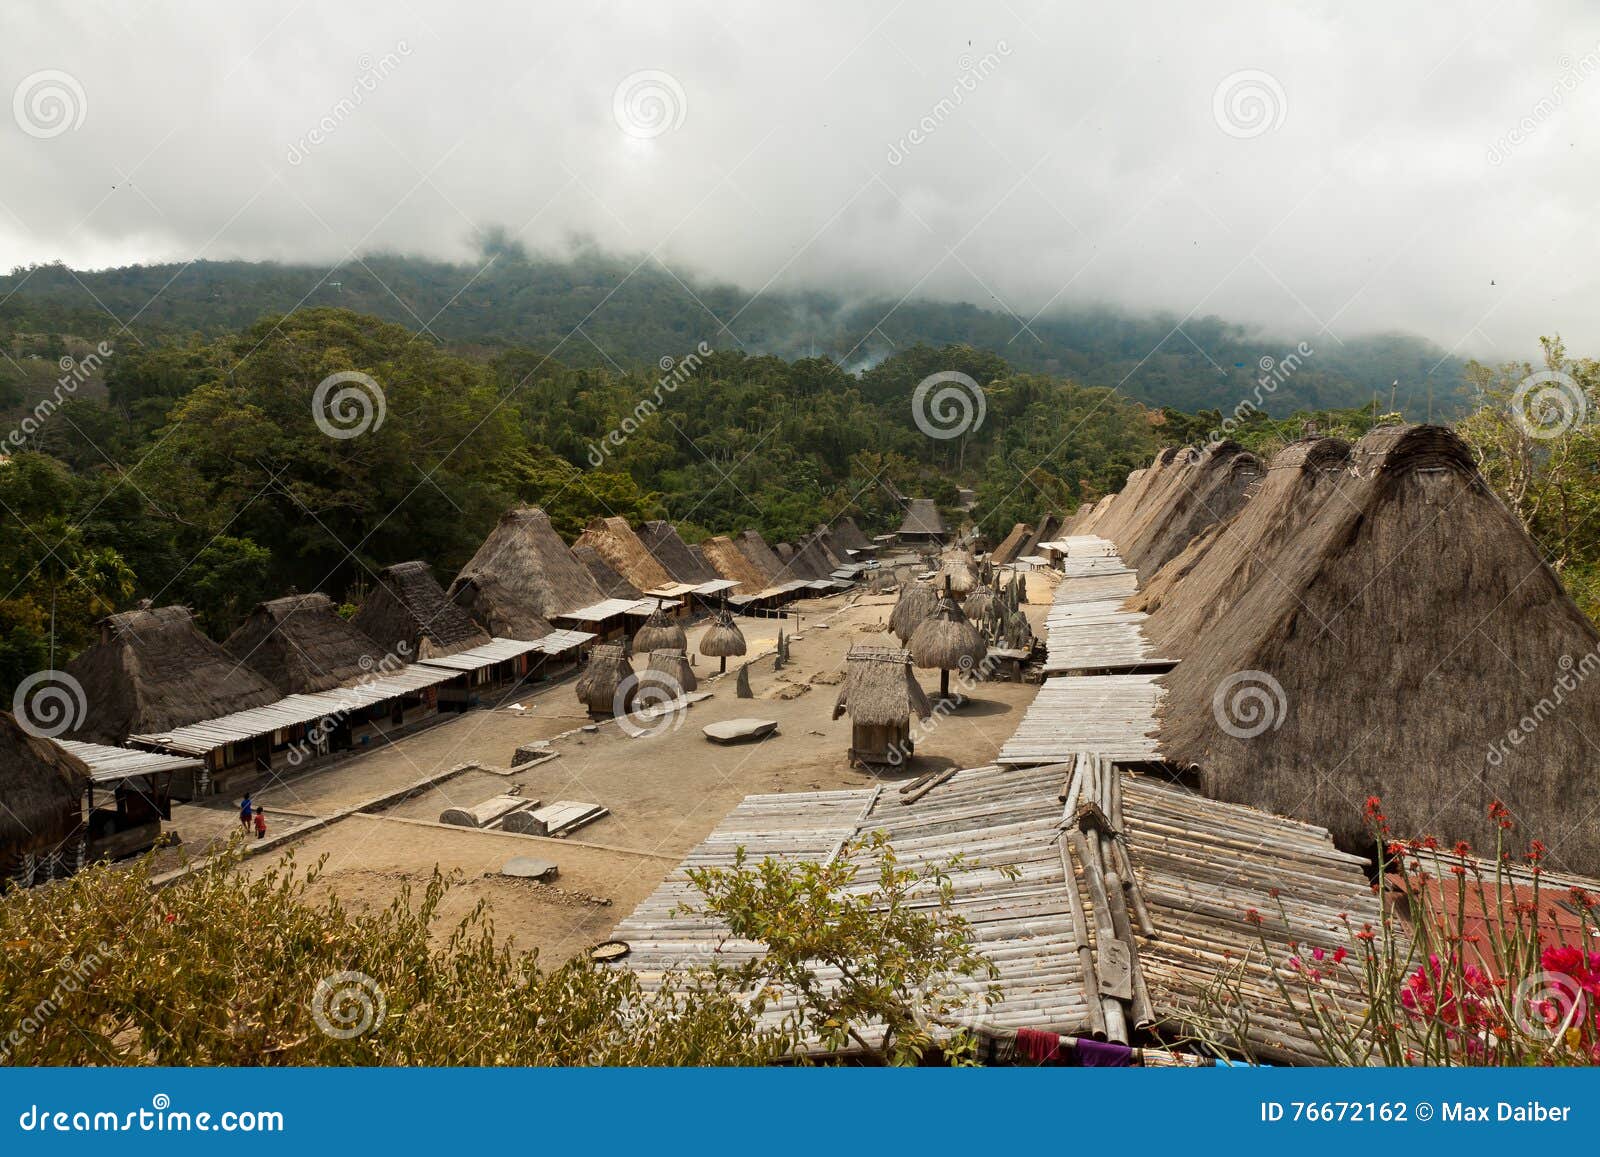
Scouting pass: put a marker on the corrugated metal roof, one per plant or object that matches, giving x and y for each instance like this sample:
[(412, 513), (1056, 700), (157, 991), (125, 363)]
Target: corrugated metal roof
[(716, 586), (560, 641), (492, 652), (114, 764)]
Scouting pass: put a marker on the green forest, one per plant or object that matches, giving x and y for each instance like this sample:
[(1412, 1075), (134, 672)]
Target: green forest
[(193, 466)]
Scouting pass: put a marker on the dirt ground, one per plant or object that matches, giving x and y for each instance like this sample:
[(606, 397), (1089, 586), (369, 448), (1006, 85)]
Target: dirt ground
[(665, 791)]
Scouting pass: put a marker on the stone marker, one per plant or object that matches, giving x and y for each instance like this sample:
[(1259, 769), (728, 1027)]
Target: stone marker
[(739, 730), (529, 868)]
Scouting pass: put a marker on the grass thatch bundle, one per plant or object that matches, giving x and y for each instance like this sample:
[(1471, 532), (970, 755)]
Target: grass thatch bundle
[(1408, 626), (408, 609), (916, 602), (41, 788), (522, 576), (612, 585), (300, 644), (956, 574), (980, 603), (880, 689), (730, 563), (153, 671), (659, 632), (673, 663), (613, 539), (665, 545), (722, 639), (605, 672), (946, 640)]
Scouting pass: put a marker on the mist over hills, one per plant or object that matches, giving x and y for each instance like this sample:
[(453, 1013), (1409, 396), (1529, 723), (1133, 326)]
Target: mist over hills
[(596, 309)]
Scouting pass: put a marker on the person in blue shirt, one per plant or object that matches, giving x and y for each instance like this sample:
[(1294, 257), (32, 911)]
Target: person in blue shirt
[(245, 808)]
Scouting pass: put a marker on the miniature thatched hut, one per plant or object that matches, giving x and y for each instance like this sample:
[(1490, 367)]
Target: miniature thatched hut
[(613, 539), (1375, 622), (671, 663), (607, 673), (730, 563), (722, 638), (946, 640), (521, 577), (881, 693), (659, 632), (152, 670), (300, 644), (915, 603), (408, 613), (956, 573), (979, 603), (612, 585), (663, 542), (41, 801)]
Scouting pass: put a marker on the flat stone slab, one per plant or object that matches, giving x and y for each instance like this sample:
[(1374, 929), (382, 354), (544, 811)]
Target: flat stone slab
[(529, 868), (739, 730)]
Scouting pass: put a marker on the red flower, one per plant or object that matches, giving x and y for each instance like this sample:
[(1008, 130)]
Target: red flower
[(1252, 916), (1463, 848), (1501, 815), (1536, 851), (1339, 954), (1366, 933)]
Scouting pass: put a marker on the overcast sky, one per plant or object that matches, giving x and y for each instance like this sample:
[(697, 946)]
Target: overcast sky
[(1351, 166)]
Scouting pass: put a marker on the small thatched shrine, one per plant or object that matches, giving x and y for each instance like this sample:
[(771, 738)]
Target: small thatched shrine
[(956, 573), (300, 644), (607, 672), (881, 693), (408, 613), (659, 633), (722, 639), (946, 640), (521, 577), (671, 665), (915, 603), (152, 670), (41, 790), (613, 540)]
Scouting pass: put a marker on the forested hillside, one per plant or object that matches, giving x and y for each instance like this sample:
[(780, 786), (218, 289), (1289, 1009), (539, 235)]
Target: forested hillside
[(631, 313)]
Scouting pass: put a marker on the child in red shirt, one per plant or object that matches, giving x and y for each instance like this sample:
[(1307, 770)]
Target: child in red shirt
[(261, 823)]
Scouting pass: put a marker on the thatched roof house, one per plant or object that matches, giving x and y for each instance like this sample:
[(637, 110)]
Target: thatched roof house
[(1394, 627), (1045, 531), (847, 535), (1166, 506), (665, 545), (521, 577), (41, 790), (1010, 548), (923, 523), (408, 607), (300, 644), (730, 563), (613, 539), (880, 688), (671, 665), (761, 556), (612, 585), (810, 561), (152, 670)]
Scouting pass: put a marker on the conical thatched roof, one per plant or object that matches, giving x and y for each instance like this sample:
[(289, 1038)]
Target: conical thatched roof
[(916, 602), (611, 584), (1176, 499), (1010, 548), (755, 548), (945, 640), (848, 535), (722, 638), (785, 552), (978, 603), (408, 607), (1045, 531), (673, 664), (730, 563), (956, 573), (923, 518), (602, 676), (833, 552), (659, 632), (811, 560), (153, 671), (880, 689), (1411, 626), (1074, 525), (521, 577), (613, 539), (300, 644), (661, 539), (41, 786)]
